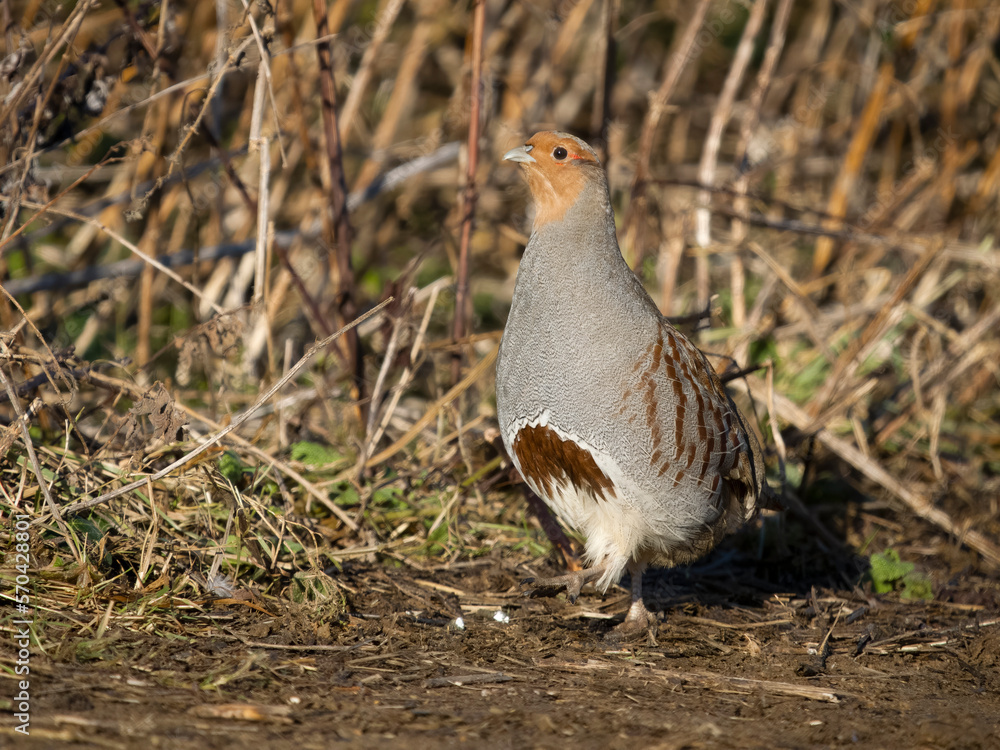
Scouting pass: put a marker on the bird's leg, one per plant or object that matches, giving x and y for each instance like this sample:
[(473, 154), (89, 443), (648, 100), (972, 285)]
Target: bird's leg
[(638, 619), (572, 582)]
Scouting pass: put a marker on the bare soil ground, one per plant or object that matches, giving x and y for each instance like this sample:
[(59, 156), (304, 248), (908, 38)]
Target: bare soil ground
[(750, 667)]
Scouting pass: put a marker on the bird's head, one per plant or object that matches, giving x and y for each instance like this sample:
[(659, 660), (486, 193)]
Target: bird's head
[(558, 166)]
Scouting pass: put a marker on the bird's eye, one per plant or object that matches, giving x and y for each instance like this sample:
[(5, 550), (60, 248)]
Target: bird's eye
[(559, 153)]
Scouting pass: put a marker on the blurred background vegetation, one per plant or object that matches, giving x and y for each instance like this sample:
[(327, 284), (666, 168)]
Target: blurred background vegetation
[(194, 193)]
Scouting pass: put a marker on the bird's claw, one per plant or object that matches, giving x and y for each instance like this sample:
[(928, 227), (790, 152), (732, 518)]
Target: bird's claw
[(571, 582)]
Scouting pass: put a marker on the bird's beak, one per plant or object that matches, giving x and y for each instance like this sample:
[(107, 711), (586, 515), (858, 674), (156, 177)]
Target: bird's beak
[(520, 154)]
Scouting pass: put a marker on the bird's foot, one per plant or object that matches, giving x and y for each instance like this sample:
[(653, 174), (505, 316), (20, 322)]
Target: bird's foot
[(638, 622), (571, 582)]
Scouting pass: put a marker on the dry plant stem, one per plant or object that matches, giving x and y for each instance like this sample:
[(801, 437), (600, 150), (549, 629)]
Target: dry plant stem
[(62, 194), (262, 147), (657, 107), (605, 57), (260, 264), (103, 122), (213, 128), (400, 100), (149, 542), (811, 313), (360, 82), (265, 65), (340, 223), (175, 157), (306, 43), (306, 358), (37, 468), (13, 209), (407, 375), (319, 321), (387, 360), (469, 195), (790, 412), (153, 133), (721, 682), (851, 167), (775, 44), (710, 151), (144, 324), (25, 320), (569, 31)]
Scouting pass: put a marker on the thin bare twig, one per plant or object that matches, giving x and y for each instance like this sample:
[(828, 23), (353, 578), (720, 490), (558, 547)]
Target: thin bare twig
[(387, 360), (69, 32), (713, 140), (469, 195), (605, 59), (340, 222), (408, 371), (265, 66)]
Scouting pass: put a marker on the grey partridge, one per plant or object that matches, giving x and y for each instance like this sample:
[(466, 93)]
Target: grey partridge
[(610, 414)]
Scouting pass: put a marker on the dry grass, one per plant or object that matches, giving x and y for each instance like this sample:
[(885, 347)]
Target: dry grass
[(834, 181)]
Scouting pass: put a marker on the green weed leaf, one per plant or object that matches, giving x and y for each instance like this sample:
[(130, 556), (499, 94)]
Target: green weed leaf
[(314, 454), (231, 467), (889, 573)]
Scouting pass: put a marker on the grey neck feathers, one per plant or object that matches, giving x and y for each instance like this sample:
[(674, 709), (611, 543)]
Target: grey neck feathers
[(577, 237)]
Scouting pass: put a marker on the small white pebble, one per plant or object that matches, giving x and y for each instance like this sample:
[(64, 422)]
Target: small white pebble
[(295, 700), (459, 623), (815, 723), (501, 616), (811, 651)]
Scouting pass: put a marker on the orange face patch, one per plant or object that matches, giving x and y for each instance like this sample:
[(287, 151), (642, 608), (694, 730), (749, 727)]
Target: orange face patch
[(558, 174)]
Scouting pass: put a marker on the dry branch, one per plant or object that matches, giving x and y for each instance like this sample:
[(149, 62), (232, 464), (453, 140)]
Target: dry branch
[(470, 194)]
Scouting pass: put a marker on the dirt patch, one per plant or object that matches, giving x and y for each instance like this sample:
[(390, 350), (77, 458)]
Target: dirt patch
[(821, 669)]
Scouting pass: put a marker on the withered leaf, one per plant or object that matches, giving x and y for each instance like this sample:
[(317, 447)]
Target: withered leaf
[(165, 419)]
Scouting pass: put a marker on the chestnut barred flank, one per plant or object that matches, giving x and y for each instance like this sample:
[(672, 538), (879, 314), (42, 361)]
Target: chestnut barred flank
[(547, 460)]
